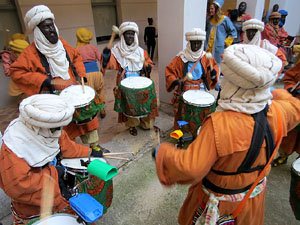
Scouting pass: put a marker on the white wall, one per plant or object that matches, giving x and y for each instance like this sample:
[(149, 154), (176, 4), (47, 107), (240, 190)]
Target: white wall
[(255, 8)]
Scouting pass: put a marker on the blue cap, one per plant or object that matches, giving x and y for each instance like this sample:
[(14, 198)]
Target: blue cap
[(283, 12), (219, 3), (182, 123)]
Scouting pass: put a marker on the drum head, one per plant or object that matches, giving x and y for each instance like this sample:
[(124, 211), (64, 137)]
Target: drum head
[(296, 166), (75, 163), (74, 95), (136, 82), (198, 98), (57, 219)]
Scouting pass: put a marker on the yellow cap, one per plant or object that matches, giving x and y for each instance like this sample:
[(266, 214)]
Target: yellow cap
[(84, 36), (18, 45), (176, 134)]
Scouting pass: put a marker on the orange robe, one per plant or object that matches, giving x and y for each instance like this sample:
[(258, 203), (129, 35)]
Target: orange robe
[(174, 71), (222, 145), (29, 74), (291, 143), (23, 184)]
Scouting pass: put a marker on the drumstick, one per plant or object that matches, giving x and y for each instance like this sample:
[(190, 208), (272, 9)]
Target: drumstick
[(117, 153), (47, 196), (82, 83), (6, 38), (297, 85), (115, 31), (114, 157), (209, 57)]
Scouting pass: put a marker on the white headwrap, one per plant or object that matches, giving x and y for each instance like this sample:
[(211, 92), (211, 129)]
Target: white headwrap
[(248, 72), (29, 136), (129, 56), (187, 55), (259, 26), (55, 53)]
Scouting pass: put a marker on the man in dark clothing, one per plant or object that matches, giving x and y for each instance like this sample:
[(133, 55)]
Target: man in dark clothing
[(149, 38)]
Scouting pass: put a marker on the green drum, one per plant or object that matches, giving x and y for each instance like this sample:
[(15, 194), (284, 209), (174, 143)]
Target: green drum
[(87, 104), (136, 97), (295, 188), (194, 106), (100, 190)]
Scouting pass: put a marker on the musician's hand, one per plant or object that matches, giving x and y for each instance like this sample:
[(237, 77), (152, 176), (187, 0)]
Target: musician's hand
[(106, 51), (47, 83), (213, 75), (62, 186), (175, 83), (294, 92)]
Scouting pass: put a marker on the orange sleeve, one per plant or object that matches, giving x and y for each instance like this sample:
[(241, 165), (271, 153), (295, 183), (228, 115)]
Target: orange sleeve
[(207, 70), (187, 166), (27, 71), (23, 183), (292, 76), (147, 59), (280, 54), (173, 71), (113, 64), (71, 149)]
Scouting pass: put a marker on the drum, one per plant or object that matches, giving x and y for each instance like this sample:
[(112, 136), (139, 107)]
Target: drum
[(136, 97), (57, 219), (194, 106), (295, 188), (87, 104), (100, 190)]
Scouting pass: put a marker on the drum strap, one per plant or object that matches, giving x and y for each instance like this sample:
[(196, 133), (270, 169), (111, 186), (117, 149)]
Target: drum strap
[(46, 65)]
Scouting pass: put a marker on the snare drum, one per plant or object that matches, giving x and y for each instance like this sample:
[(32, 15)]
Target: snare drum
[(295, 188), (100, 190), (86, 104), (194, 106), (136, 97), (56, 219)]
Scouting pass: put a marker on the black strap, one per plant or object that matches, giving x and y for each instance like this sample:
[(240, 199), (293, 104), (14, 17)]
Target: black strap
[(73, 68), (184, 72)]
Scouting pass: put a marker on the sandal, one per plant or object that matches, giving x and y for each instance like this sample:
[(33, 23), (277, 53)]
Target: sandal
[(279, 161), (133, 131)]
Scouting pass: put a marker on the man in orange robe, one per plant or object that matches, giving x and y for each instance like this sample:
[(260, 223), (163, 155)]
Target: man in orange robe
[(31, 76), (203, 76), (130, 60), (225, 137), (291, 143), (30, 143)]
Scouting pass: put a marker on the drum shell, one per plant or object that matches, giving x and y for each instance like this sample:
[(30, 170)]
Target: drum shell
[(295, 191), (56, 219)]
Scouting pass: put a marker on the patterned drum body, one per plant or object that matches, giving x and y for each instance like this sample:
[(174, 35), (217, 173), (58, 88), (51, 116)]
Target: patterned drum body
[(295, 188), (56, 219), (86, 104), (100, 190), (136, 97), (194, 106)]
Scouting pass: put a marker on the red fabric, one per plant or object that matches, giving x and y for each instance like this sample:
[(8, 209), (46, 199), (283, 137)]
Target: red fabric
[(8, 57), (89, 53), (275, 34)]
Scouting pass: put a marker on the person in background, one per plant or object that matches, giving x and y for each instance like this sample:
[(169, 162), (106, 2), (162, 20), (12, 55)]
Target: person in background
[(149, 38), (220, 31), (284, 14), (252, 36), (30, 146), (15, 47), (242, 13), (275, 8), (291, 143), (130, 60), (204, 77), (218, 163), (90, 56), (233, 15)]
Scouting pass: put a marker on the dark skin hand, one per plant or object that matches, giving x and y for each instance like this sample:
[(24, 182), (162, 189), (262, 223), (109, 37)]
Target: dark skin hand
[(242, 8), (48, 29), (129, 37), (196, 45), (275, 21), (250, 33)]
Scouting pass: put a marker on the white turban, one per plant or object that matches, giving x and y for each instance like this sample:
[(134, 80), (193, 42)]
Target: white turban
[(125, 26), (253, 24), (248, 71), (36, 15), (29, 136), (195, 34)]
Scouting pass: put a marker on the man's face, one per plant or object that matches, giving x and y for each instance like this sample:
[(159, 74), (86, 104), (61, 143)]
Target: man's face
[(275, 21), (196, 45), (250, 33), (212, 10), (129, 37), (275, 7), (48, 29), (242, 7), (283, 19)]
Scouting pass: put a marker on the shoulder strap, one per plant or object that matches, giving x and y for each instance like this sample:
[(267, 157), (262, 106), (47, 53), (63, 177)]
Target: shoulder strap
[(45, 63), (73, 67)]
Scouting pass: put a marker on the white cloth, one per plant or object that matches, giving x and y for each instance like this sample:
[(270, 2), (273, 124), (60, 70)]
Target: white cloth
[(265, 44), (248, 72), (195, 34), (125, 26), (129, 56), (187, 55), (54, 53), (253, 24), (29, 136), (36, 15)]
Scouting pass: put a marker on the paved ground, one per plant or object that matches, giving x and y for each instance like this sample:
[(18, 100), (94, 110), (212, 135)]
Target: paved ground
[(138, 196)]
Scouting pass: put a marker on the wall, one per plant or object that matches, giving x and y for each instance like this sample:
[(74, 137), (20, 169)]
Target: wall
[(69, 16)]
